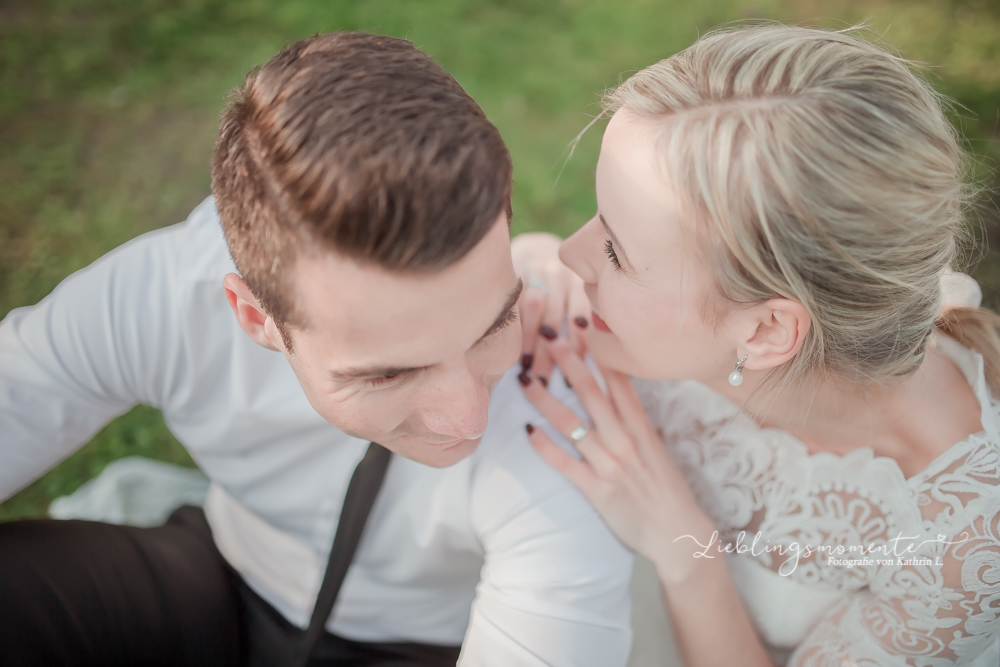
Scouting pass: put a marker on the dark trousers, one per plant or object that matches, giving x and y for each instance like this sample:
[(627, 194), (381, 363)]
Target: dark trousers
[(75, 593)]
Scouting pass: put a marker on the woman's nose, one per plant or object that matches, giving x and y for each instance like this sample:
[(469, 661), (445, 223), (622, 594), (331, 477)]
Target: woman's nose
[(582, 251)]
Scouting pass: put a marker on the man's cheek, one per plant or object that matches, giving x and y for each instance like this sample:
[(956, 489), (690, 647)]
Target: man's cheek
[(366, 418)]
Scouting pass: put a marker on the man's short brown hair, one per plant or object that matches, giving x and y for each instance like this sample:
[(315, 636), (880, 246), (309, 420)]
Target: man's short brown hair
[(358, 143)]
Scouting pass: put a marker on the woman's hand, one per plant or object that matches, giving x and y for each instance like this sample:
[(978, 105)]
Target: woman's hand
[(628, 476), (551, 293), (626, 472)]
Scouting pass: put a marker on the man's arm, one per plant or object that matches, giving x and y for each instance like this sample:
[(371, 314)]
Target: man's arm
[(88, 352), (555, 587)]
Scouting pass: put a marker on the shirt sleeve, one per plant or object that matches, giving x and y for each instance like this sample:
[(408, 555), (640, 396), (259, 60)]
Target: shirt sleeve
[(89, 351), (555, 586), (938, 604)]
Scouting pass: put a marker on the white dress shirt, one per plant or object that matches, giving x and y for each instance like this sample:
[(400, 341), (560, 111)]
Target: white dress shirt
[(498, 550)]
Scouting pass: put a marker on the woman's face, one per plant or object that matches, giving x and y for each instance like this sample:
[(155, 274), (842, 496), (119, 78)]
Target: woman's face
[(644, 278)]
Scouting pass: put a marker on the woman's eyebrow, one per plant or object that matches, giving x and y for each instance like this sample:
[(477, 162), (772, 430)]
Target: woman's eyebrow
[(619, 248)]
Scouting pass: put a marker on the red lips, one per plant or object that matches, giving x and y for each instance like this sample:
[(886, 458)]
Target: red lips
[(600, 324)]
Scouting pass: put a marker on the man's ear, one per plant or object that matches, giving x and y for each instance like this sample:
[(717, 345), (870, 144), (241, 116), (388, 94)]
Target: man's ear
[(251, 315), (774, 333)]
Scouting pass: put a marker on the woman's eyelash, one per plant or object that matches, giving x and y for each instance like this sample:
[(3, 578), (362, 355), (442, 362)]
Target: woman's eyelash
[(609, 249), (508, 320)]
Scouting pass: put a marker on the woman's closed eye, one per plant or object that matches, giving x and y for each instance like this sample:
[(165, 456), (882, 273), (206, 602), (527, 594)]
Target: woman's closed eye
[(609, 250), (507, 320)]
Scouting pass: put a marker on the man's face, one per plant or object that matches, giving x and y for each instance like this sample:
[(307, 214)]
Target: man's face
[(407, 360)]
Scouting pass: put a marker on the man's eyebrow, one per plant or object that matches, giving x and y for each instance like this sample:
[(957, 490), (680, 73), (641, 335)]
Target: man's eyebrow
[(512, 298), (360, 372), (619, 249)]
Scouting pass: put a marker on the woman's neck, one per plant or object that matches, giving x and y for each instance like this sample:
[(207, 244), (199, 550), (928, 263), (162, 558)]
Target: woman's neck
[(911, 419)]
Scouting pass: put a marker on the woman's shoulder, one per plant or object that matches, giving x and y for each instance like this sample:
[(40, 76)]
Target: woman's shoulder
[(670, 403), (972, 367), (978, 452)]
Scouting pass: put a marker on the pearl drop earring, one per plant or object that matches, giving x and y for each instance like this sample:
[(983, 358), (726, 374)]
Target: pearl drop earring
[(736, 377)]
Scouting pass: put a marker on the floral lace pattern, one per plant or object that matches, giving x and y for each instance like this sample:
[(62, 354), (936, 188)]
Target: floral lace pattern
[(845, 561)]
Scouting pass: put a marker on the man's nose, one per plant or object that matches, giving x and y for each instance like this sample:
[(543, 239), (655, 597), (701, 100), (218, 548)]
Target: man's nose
[(458, 405)]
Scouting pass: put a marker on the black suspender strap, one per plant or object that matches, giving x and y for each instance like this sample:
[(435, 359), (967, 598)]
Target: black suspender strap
[(361, 493)]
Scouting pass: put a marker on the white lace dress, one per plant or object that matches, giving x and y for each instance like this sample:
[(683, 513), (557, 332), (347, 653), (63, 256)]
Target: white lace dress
[(861, 597)]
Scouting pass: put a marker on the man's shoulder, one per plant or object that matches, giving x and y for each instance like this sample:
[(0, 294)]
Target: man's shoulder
[(179, 254), (197, 246), (511, 412), (184, 263), (508, 475)]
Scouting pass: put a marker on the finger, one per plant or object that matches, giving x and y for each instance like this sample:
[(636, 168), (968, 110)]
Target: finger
[(543, 363), (566, 421), (555, 311), (578, 314), (552, 321), (578, 472), (585, 385), (531, 309)]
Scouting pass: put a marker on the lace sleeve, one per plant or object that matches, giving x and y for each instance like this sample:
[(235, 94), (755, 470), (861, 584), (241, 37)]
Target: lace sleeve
[(934, 600)]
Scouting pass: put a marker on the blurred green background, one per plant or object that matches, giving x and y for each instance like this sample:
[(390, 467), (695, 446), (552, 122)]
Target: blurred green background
[(108, 112)]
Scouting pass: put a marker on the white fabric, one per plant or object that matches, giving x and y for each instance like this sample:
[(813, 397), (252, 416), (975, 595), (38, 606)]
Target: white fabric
[(754, 480), (149, 323), (135, 491), (959, 289), (653, 642)]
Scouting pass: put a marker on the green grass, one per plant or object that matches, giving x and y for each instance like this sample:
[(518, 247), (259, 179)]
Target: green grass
[(108, 111)]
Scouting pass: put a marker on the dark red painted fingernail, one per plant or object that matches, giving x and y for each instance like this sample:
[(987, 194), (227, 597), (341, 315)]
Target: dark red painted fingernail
[(524, 378), (529, 428), (548, 333), (581, 322), (526, 360), (545, 383)]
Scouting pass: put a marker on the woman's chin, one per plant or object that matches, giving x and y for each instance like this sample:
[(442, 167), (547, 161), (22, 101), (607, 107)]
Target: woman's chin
[(608, 352)]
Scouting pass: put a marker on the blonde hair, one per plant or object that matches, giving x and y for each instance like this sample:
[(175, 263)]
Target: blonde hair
[(820, 168)]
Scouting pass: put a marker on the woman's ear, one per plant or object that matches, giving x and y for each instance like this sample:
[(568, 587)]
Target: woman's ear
[(774, 332), (250, 314)]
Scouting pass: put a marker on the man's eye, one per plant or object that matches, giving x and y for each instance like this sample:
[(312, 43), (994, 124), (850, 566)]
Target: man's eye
[(388, 378), (609, 249)]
